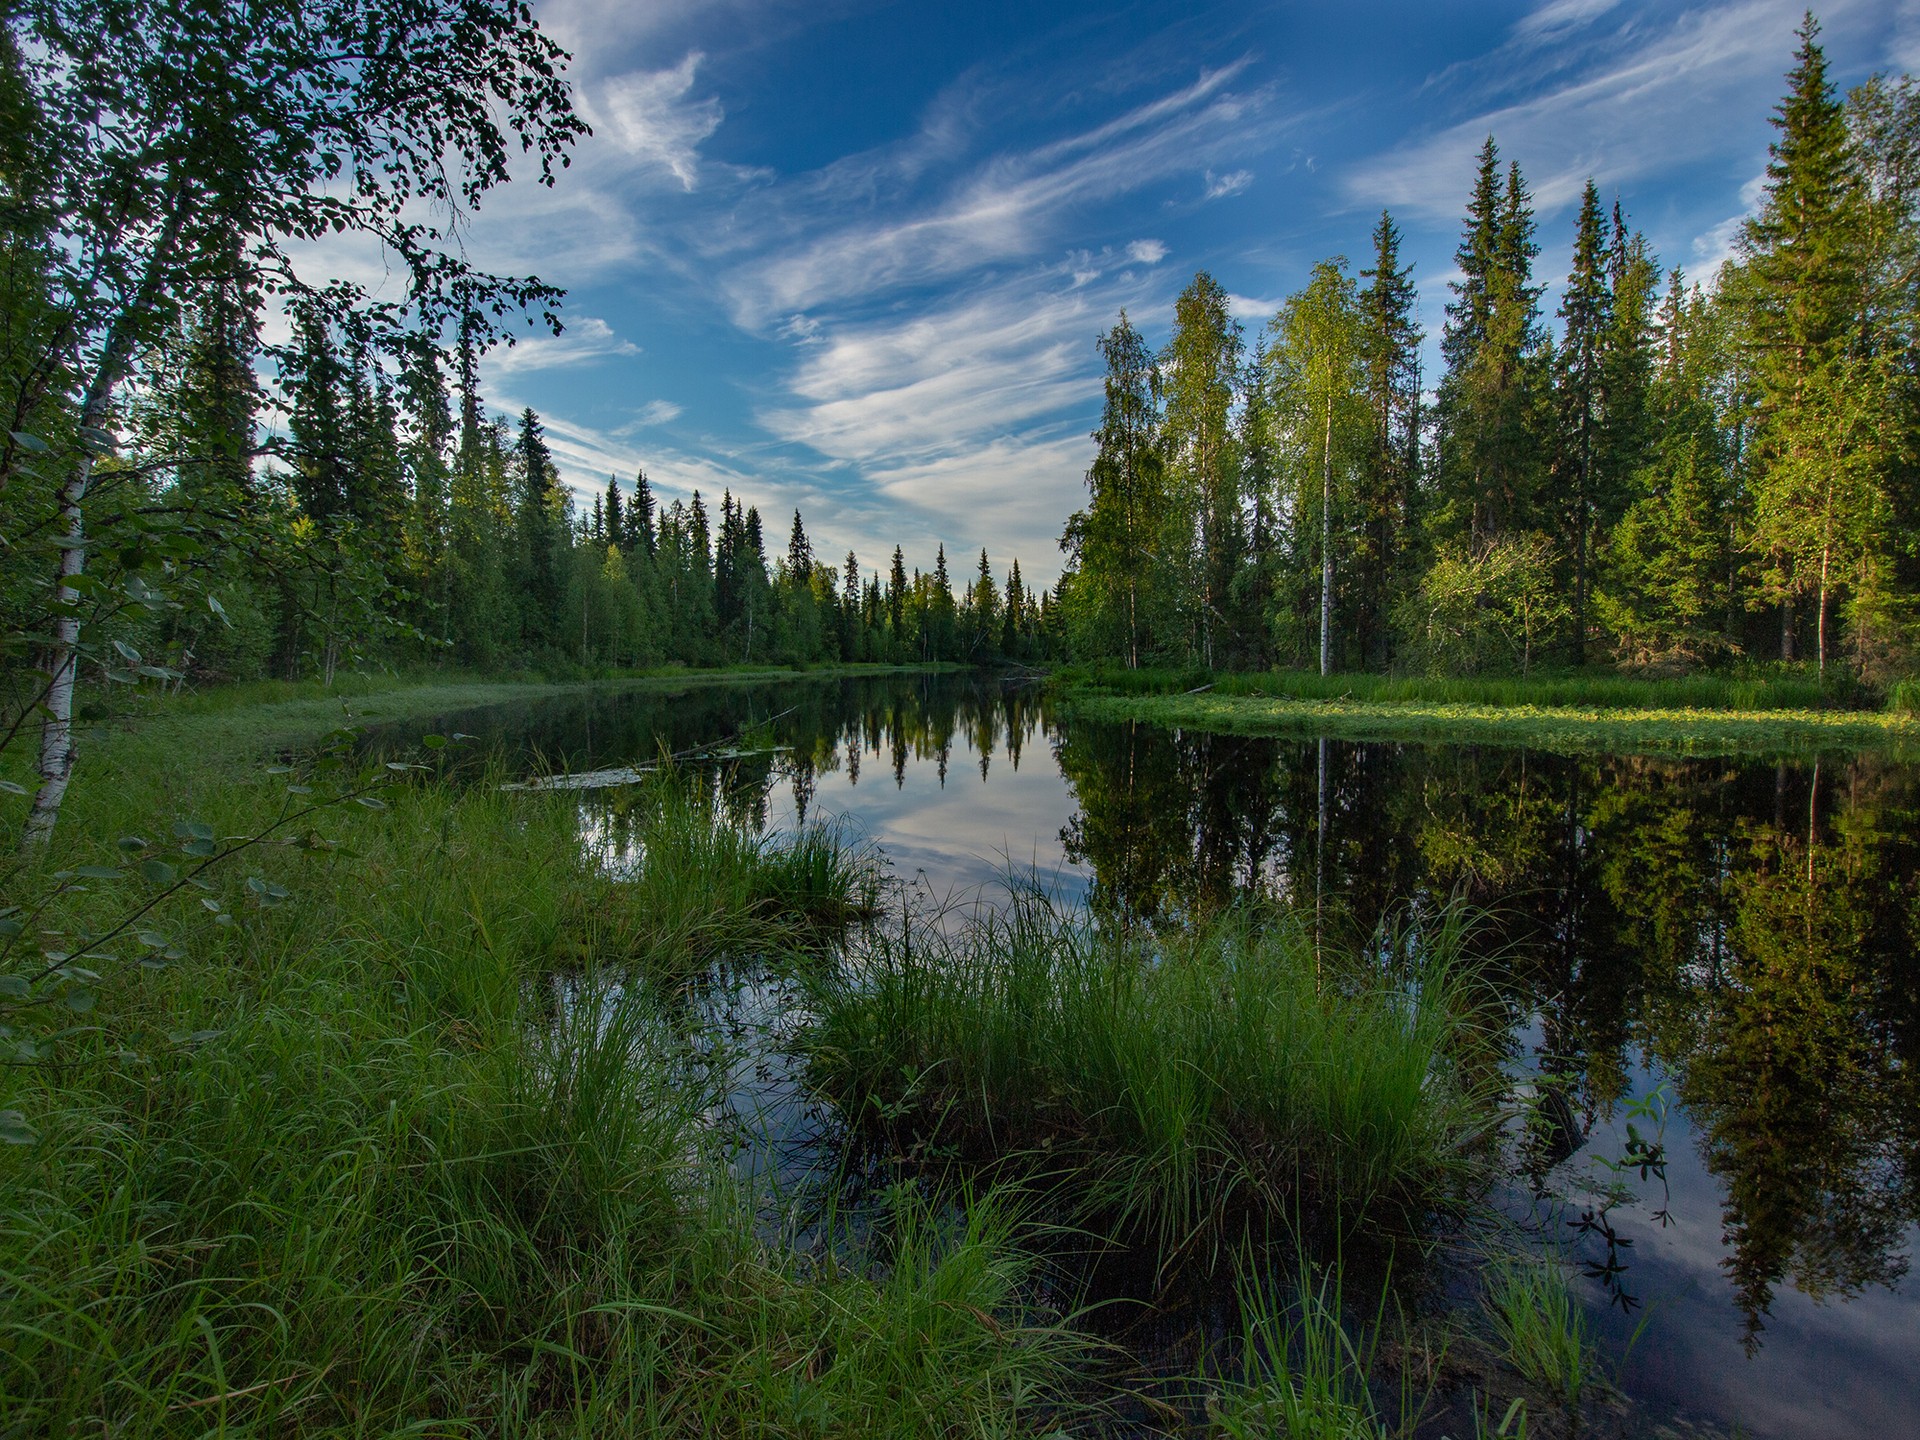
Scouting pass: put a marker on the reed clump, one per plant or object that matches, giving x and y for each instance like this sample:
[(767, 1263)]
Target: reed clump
[(1164, 1085), (684, 882)]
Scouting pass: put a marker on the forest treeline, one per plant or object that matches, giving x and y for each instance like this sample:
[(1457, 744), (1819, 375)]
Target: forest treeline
[(1676, 475), (283, 475), (397, 519)]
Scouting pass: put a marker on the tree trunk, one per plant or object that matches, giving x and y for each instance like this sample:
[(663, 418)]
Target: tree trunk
[(1326, 543), (63, 653)]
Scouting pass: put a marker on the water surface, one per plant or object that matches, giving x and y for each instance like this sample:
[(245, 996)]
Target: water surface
[(1728, 944)]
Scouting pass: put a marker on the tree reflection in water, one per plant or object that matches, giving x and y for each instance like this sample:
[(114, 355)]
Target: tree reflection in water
[(1748, 928)]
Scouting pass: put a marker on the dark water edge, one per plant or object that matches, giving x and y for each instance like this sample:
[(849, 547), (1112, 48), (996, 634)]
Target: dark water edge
[(1729, 945)]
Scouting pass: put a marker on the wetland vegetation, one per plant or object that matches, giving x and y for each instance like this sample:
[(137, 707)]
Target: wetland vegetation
[(449, 1124)]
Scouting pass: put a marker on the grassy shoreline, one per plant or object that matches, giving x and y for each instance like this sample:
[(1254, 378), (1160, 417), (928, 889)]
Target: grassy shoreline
[(232, 721), (414, 1141), (1615, 727)]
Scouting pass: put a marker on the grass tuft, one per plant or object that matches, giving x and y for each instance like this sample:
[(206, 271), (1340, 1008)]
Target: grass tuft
[(1541, 1327), (1165, 1084)]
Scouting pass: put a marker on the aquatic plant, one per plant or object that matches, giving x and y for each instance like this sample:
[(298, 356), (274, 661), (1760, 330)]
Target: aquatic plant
[(1169, 1083), (1542, 1330)]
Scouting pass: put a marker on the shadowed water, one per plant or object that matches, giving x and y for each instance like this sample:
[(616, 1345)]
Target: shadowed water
[(1729, 945)]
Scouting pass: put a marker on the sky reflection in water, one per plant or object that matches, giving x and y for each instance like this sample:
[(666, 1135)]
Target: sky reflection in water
[(1743, 933)]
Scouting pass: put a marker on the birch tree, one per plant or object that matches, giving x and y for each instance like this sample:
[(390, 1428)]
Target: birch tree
[(182, 139)]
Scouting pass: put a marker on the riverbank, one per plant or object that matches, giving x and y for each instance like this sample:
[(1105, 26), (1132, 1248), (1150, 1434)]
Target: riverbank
[(1584, 716), (407, 1121), (259, 715)]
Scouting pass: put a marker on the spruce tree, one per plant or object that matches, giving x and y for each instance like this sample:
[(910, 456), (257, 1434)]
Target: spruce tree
[(538, 534), (640, 516), (1389, 473), (897, 603), (1586, 314), (615, 514), (427, 453), (1489, 397), (1802, 284), (317, 422)]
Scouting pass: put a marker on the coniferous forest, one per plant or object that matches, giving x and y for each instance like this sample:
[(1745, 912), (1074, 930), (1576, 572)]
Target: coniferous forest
[(1661, 473)]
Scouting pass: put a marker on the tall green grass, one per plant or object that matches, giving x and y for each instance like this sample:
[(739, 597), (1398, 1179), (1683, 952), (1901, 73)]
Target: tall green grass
[(684, 883), (1165, 1085), (358, 1165), (1541, 1328), (1756, 690), (1304, 1374)]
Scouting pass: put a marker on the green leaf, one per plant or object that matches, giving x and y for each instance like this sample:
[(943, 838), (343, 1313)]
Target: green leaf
[(79, 1001), (98, 872), (158, 872), (34, 445), (433, 742), (10, 928), (155, 939), (12, 788), (372, 802), (133, 844), (15, 986), (131, 655), (192, 830)]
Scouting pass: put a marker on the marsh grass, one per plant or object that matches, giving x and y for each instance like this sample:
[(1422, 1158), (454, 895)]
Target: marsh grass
[(1164, 1087), (1754, 690), (683, 882), (1541, 1328), (1306, 1373), (1609, 729), (361, 1164)]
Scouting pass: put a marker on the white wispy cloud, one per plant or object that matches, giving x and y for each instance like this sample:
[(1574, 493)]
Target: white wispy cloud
[(1011, 206), (1674, 93), (1557, 17), (585, 340), (1146, 252), (654, 118), (1231, 183)]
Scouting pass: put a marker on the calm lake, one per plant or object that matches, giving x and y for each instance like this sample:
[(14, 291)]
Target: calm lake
[(1719, 954)]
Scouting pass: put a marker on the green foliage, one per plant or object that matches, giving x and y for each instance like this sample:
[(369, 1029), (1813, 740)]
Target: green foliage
[(1170, 1085), (409, 1147), (1542, 1330), (1490, 607)]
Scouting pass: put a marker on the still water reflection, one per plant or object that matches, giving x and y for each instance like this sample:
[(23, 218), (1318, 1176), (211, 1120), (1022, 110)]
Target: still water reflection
[(1738, 938)]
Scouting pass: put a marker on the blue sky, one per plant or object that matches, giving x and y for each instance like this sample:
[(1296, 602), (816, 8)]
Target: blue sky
[(854, 257)]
